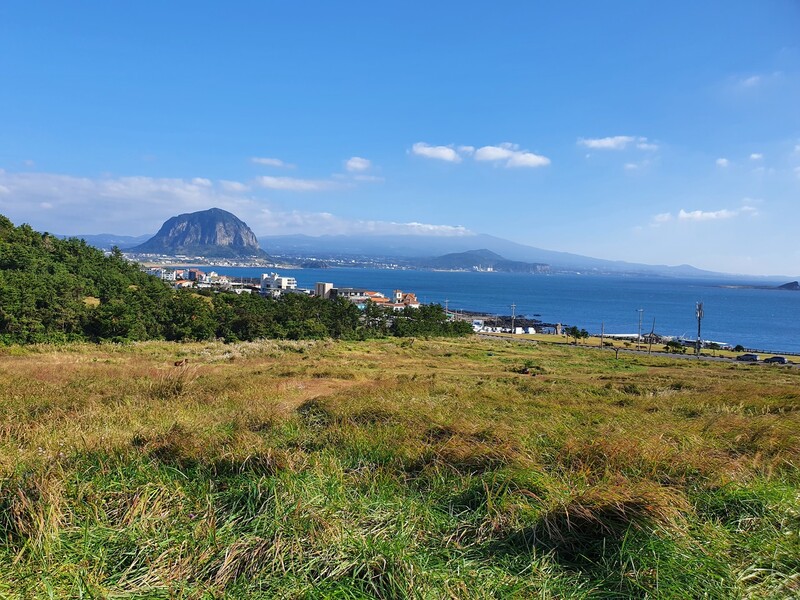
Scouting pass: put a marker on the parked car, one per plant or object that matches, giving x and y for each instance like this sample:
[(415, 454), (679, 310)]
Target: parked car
[(748, 357), (776, 360)]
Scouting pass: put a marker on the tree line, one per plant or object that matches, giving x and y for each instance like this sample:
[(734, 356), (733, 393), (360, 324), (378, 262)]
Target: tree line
[(54, 290)]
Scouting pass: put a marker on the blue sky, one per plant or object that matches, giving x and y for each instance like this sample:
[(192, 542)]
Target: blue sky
[(664, 133)]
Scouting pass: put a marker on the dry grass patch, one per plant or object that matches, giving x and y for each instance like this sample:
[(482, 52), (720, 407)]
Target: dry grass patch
[(384, 469)]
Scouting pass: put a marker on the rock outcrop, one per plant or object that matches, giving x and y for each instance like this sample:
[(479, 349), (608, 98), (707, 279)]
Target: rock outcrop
[(211, 233)]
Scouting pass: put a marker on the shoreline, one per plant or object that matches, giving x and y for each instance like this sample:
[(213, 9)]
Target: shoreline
[(738, 322)]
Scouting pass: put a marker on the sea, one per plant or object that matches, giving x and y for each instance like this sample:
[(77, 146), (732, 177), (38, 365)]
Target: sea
[(766, 320)]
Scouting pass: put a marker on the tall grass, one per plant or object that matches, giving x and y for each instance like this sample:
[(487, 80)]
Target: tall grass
[(446, 468)]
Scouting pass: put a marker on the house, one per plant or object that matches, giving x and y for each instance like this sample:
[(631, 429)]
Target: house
[(403, 300), (358, 295)]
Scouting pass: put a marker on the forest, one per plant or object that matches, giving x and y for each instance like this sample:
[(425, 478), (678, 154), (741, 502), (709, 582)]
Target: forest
[(54, 290)]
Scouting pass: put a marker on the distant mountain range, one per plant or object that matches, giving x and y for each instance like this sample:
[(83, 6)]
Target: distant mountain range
[(107, 241), (216, 233), (414, 247)]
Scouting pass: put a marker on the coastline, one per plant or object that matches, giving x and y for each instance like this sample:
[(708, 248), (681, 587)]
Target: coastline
[(754, 318)]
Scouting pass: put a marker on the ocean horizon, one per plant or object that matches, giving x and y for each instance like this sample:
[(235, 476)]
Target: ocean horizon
[(757, 318)]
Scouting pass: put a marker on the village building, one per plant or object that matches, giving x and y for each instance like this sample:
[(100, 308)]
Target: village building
[(274, 285)]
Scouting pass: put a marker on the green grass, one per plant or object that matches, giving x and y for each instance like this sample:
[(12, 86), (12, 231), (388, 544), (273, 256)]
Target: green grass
[(383, 469)]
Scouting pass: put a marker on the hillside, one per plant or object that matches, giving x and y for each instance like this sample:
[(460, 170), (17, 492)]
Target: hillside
[(58, 290), (392, 469), (482, 260), (212, 233), (54, 290)]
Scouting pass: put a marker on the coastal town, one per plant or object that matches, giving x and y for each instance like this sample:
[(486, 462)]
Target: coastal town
[(274, 285)]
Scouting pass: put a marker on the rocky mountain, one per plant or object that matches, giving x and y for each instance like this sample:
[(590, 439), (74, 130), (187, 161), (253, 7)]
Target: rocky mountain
[(214, 233), (793, 286), (481, 260)]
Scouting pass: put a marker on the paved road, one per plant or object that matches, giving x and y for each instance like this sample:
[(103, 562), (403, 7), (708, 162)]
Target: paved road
[(495, 336)]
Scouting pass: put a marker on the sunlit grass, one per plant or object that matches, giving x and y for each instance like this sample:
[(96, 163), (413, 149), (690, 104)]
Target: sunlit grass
[(439, 468)]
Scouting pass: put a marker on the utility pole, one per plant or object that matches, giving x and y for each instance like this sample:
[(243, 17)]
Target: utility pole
[(699, 314), (446, 314), (513, 317), (639, 337)]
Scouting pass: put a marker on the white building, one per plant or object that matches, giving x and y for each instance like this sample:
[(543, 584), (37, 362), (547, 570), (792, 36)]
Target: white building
[(273, 284), (162, 273)]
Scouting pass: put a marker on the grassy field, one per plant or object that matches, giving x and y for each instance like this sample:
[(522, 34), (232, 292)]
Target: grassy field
[(395, 469)]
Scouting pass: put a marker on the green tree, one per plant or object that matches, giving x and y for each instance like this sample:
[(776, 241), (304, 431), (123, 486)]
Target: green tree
[(576, 333)]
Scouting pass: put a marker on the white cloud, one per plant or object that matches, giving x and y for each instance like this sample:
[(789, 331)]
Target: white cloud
[(618, 142), (797, 171), (356, 163), (132, 205), (512, 155), (271, 162), (752, 81), (647, 146), (445, 153), (661, 218), (631, 166), (756, 156), (528, 159), (501, 152), (135, 205), (293, 184), (424, 228), (233, 186), (506, 152), (707, 215), (702, 215), (723, 162), (276, 222), (715, 215)]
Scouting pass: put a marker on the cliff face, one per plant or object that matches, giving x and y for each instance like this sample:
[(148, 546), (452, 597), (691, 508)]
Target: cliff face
[(213, 233)]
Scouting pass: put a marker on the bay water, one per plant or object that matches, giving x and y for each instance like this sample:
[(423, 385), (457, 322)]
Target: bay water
[(759, 319)]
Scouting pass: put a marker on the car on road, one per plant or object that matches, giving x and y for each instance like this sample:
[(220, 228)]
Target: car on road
[(748, 357), (776, 360)]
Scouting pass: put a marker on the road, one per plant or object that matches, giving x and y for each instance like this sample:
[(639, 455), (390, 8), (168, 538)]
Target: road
[(522, 340)]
